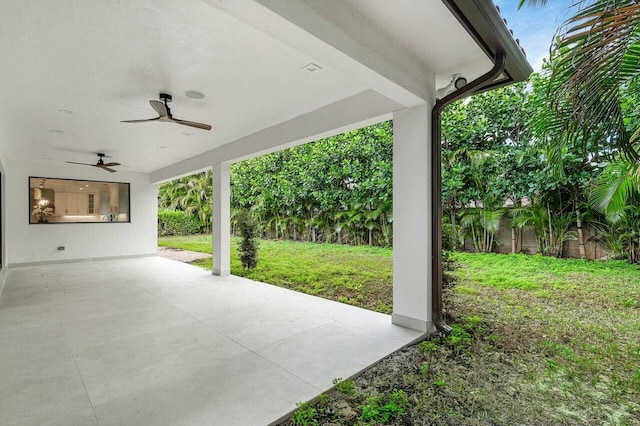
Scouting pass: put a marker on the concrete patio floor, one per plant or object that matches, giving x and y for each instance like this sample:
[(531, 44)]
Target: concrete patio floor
[(151, 341)]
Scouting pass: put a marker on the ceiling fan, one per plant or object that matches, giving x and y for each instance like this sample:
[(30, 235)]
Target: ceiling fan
[(164, 114), (100, 164)]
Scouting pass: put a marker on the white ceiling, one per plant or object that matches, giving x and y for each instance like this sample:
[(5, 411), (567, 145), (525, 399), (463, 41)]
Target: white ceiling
[(105, 59)]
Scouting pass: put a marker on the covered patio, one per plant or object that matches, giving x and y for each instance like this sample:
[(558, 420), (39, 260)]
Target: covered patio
[(95, 328), (156, 341)]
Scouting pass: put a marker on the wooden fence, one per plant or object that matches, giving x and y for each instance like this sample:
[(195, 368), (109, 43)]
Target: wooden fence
[(526, 243)]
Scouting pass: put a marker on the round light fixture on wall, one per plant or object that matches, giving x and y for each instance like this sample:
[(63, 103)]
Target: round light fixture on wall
[(194, 94)]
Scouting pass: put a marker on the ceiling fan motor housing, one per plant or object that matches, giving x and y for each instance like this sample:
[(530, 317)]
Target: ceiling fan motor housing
[(165, 97)]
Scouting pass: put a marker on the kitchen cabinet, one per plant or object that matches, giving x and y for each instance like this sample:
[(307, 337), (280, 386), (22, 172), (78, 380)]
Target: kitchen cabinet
[(60, 203), (83, 203), (74, 203), (114, 199)]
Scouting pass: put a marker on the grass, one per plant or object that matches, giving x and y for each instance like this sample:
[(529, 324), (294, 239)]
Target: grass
[(355, 275), (535, 340)]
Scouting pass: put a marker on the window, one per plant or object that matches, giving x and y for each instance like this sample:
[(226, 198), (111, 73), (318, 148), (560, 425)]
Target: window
[(53, 201)]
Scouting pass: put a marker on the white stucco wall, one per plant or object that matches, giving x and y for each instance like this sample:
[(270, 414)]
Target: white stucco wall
[(27, 243), (3, 240)]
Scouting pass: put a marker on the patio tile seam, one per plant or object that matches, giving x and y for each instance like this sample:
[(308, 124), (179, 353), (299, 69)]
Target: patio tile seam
[(93, 409), (256, 353), (72, 352), (166, 301), (398, 340), (294, 335)]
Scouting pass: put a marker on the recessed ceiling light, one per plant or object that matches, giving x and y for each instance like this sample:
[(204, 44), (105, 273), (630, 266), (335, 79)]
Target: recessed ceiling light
[(186, 134), (194, 94), (161, 147), (67, 111), (311, 67), (56, 131)]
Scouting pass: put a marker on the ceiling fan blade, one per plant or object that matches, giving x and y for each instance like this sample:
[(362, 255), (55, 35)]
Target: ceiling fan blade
[(104, 167), (140, 121), (160, 108), (112, 164), (82, 164), (191, 124)]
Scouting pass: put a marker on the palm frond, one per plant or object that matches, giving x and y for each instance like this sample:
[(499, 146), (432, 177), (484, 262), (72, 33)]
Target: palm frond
[(614, 188), (596, 56), (532, 3)]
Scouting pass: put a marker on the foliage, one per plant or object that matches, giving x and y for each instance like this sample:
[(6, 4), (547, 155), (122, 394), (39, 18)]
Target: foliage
[(248, 247), (551, 228), (616, 194), (595, 60), (480, 225), (176, 222), (488, 155), (191, 194), (428, 346), (305, 415), (333, 190), (344, 386), (616, 188), (448, 264), (374, 411)]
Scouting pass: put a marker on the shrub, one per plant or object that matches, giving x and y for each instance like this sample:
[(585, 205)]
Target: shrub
[(175, 222), (248, 246)]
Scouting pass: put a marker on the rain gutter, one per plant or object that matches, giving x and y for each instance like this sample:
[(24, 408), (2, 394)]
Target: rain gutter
[(475, 86)]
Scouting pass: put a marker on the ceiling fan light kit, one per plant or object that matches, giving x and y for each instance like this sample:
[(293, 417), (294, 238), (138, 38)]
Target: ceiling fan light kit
[(164, 114)]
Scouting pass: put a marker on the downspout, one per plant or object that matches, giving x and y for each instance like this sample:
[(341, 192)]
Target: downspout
[(436, 187)]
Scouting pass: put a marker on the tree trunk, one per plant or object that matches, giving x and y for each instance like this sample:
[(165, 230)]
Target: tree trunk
[(583, 253), (551, 243), (453, 214), (513, 240)]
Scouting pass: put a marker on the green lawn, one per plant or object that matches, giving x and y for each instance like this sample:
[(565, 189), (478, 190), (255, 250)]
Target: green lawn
[(356, 275), (536, 340)]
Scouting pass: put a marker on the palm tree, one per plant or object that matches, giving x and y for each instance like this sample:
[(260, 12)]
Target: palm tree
[(596, 58), (481, 225), (196, 198)]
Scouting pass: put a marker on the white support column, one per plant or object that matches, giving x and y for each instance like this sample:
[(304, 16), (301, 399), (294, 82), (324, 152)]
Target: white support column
[(221, 218), (412, 218)]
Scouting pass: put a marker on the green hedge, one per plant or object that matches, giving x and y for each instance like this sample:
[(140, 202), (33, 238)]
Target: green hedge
[(172, 222)]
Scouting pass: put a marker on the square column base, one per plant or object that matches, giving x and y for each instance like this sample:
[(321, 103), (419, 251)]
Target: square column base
[(413, 324), (220, 273)]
